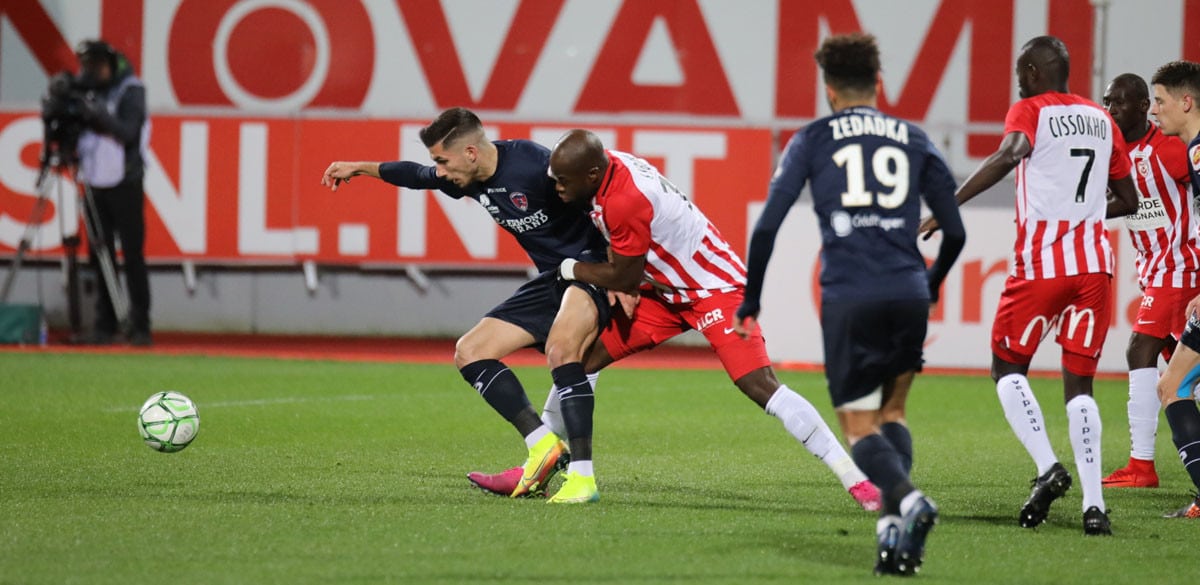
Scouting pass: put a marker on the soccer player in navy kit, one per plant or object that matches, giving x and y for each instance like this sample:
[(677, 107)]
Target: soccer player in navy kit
[(508, 178), (1177, 109), (866, 170)]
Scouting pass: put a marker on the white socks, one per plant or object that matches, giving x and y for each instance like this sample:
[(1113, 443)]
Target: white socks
[(532, 438), (580, 467), (804, 423), (1025, 417), (1083, 418), (1143, 412)]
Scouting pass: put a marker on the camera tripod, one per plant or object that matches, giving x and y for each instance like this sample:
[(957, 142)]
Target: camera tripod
[(54, 171)]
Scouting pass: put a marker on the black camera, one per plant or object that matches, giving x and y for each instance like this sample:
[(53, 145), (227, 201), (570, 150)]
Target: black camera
[(63, 118)]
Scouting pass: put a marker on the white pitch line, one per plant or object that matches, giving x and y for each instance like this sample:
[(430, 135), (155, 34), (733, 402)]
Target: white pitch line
[(264, 401)]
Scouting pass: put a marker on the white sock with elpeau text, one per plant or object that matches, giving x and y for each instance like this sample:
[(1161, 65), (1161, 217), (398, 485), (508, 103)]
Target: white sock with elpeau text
[(1083, 420), (1025, 417)]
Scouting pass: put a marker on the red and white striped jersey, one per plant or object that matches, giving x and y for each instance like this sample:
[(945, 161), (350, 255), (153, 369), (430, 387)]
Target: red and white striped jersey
[(641, 213), (1164, 228), (1062, 185)]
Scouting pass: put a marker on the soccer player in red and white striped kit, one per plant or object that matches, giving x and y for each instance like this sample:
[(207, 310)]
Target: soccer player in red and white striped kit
[(1163, 232), (1067, 153)]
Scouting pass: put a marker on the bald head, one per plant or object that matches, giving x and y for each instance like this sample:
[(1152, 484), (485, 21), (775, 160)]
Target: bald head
[(577, 165), (1044, 65)]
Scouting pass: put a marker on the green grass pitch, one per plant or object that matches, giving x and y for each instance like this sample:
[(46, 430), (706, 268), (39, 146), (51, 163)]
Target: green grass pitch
[(321, 472)]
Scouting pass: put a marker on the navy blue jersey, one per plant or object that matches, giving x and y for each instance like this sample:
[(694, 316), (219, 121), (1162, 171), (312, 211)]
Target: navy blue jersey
[(866, 170), (521, 197)]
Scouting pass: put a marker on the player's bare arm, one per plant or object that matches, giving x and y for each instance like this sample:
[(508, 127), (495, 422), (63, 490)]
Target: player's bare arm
[(341, 171), (1013, 148), (1122, 197), (621, 273)]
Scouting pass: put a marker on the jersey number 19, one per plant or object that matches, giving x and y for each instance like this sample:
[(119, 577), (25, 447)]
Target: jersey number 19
[(890, 167)]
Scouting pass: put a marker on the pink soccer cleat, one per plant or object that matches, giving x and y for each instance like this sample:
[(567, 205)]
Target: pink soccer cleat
[(501, 484), (867, 495)]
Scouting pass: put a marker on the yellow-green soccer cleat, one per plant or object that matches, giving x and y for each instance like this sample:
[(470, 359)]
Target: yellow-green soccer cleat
[(540, 466), (577, 489)]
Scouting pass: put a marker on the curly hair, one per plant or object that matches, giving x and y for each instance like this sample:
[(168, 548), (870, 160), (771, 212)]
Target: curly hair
[(1179, 77), (850, 62)]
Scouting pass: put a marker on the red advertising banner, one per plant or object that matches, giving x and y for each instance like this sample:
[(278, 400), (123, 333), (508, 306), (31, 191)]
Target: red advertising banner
[(242, 189)]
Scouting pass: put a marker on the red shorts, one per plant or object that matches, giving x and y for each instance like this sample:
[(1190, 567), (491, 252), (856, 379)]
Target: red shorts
[(1162, 311), (1076, 308), (656, 321)]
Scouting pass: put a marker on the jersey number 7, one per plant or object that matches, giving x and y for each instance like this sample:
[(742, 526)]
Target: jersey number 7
[(889, 165), (1081, 189)]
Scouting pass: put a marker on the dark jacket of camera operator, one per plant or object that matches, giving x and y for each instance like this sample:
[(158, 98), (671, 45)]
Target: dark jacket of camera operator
[(114, 113), (111, 163)]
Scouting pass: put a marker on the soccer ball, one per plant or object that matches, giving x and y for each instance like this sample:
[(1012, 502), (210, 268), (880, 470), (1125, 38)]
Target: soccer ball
[(168, 422)]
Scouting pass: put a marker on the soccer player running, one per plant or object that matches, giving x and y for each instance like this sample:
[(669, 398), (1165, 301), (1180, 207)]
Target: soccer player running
[(1068, 152), (1163, 232), (688, 277), (869, 172), (1177, 108), (508, 178)]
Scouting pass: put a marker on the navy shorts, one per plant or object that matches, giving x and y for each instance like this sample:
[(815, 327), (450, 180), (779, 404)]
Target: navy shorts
[(868, 343), (535, 305)]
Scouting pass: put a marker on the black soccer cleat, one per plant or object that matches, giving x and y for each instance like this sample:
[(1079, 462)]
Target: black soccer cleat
[(1095, 522), (914, 528), (1047, 488), (885, 553)]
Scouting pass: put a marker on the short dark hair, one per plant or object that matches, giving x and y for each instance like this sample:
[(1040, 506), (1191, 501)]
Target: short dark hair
[(450, 126), (1179, 75), (850, 62)]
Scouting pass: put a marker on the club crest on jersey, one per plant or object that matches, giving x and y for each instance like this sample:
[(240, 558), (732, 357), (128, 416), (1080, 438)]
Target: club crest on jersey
[(1194, 154), (520, 200), (1143, 167)]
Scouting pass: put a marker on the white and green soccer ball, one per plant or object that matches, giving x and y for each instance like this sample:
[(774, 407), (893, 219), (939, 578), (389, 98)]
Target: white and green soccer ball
[(168, 422)]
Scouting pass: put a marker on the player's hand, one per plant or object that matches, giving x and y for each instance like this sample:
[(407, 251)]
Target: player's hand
[(338, 173), (1192, 307), (927, 227), (746, 326), (628, 302)]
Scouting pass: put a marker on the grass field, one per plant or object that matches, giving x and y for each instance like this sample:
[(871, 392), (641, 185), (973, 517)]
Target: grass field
[(322, 472)]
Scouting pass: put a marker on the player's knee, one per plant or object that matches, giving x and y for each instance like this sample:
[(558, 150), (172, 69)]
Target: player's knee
[(466, 351)]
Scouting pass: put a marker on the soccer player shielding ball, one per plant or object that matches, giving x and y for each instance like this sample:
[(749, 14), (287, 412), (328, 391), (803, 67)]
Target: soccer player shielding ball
[(1067, 152), (868, 172)]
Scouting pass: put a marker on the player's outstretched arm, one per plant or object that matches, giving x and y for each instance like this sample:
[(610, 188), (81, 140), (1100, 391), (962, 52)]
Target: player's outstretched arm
[(1013, 148), (341, 171)]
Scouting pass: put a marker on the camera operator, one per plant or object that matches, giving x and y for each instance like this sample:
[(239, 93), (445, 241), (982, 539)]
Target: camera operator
[(111, 163)]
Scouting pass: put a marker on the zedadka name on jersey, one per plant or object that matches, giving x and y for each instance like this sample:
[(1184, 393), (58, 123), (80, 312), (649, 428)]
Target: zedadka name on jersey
[(852, 125)]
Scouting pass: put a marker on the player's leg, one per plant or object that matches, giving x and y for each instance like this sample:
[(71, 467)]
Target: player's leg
[(575, 328), (892, 423), (622, 337), (477, 355), (872, 353), (1157, 321), (1027, 309), (747, 363), (1177, 389), (1083, 327), (522, 320)]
